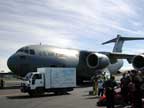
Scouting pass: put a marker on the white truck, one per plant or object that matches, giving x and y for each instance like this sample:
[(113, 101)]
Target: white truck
[(57, 80)]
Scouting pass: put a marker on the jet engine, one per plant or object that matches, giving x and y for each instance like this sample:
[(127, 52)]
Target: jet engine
[(138, 62), (97, 61)]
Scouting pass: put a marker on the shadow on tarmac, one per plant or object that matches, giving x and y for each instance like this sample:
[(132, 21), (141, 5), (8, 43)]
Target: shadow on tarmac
[(10, 87), (88, 96), (30, 97), (94, 97)]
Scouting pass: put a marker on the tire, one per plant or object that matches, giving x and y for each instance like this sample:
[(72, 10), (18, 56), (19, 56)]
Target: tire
[(31, 93), (40, 91), (37, 92), (60, 92)]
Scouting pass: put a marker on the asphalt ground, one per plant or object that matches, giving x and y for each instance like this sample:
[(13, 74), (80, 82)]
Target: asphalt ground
[(78, 98)]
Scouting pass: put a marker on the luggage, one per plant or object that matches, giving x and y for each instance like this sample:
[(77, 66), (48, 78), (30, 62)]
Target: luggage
[(102, 101)]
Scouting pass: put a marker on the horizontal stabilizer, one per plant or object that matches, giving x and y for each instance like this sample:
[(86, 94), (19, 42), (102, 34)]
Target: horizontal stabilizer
[(119, 40), (119, 37)]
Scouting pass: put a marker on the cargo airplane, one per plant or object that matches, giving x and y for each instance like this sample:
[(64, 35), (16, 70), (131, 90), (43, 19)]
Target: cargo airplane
[(87, 63)]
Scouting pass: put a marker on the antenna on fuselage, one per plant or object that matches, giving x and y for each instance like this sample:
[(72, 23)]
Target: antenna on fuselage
[(119, 40)]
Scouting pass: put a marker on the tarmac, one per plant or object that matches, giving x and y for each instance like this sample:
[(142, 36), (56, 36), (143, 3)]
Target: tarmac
[(78, 98)]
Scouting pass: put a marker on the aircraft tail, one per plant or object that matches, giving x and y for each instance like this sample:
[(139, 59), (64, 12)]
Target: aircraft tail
[(119, 40)]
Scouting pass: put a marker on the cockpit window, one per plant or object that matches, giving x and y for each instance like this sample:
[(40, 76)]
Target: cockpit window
[(32, 52), (20, 50), (26, 51)]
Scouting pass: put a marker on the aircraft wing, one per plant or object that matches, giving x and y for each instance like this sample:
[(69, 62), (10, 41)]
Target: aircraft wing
[(116, 55)]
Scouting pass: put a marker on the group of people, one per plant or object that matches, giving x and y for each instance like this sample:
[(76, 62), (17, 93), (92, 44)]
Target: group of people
[(105, 86), (132, 88), (131, 85), (98, 82)]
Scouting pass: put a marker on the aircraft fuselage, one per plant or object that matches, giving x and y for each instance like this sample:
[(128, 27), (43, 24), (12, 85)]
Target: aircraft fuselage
[(29, 58)]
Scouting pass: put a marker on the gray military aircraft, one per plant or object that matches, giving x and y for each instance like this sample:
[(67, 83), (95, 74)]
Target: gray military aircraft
[(88, 63)]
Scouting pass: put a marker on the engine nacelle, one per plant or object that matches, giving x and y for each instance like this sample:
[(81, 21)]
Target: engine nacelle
[(138, 62), (97, 61)]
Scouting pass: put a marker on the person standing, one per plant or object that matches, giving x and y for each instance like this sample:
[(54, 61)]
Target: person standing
[(100, 87), (137, 103), (1, 83), (94, 84), (109, 87), (124, 87)]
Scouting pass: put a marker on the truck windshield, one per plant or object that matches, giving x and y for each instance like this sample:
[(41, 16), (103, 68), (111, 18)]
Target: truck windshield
[(28, 76), (37, 76)]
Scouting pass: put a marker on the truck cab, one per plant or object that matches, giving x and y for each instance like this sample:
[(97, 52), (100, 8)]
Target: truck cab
[(37, 80), (33, 81)]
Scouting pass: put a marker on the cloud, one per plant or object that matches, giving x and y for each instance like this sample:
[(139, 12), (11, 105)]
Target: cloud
[(81, 24), (3, 64), (123, 7)]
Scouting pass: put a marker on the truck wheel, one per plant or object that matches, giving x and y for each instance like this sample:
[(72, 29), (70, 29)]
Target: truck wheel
[(34, 93), (60, 92), (31, 93), (37, 92), (40, 91)]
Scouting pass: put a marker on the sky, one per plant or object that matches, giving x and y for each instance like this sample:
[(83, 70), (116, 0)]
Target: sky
[(78, 24)]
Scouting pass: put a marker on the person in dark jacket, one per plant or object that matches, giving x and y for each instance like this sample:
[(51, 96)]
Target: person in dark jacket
[(109, 87), (1, 83), (124, 87), (137, 103)]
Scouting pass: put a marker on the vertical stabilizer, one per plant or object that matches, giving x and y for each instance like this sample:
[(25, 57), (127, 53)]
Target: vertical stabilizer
[(119, 40)]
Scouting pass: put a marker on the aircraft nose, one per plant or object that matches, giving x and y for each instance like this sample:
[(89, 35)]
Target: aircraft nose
[(11, 63), (15, 63)]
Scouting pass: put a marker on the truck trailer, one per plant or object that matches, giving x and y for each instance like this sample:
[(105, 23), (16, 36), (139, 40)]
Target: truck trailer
[(46, 79)]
